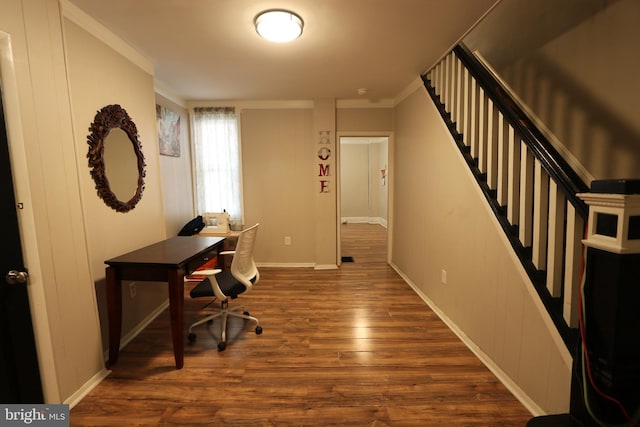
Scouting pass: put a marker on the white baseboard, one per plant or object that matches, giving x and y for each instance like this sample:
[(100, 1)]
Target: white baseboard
[(286, 265), (363, 220), (76, 397), (519, 394), (297, 265), (145, 322), (325, 267), (355, 219), (126, 339)]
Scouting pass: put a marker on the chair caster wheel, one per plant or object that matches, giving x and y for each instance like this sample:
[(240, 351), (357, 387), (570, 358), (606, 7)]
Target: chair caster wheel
[(222, 346), (246, 313), (258, 330), (191, 337)]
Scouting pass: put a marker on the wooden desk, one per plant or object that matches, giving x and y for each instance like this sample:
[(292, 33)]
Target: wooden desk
[(230, 241), (167, 261)]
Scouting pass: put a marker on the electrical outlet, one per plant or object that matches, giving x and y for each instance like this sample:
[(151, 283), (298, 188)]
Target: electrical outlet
[(287, 240), (132, 289), (443, 277)]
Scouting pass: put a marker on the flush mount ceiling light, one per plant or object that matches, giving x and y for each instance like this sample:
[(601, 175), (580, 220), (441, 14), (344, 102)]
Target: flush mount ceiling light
[(278, 25)]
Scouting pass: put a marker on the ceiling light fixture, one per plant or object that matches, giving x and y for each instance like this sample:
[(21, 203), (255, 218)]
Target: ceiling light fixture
[(278, 25)]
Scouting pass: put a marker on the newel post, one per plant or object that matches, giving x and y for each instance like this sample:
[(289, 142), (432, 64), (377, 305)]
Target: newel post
[(611, 301)]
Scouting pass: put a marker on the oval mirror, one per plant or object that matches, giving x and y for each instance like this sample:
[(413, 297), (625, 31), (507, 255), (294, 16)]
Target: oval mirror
[(120, 164), (114, 147)]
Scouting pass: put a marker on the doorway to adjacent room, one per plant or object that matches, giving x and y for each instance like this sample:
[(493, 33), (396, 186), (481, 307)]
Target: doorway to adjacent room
[(364, 183)]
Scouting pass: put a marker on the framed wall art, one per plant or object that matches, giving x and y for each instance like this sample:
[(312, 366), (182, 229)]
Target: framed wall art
[(168, 131)]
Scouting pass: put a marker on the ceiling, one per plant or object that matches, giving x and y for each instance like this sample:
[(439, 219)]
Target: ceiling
[(209, 50)]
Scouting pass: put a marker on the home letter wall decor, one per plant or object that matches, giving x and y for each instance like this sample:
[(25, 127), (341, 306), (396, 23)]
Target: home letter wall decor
[(324, 154)]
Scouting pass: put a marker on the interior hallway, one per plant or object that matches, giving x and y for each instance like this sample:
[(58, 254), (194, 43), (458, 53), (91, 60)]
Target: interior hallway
[(349, 347)]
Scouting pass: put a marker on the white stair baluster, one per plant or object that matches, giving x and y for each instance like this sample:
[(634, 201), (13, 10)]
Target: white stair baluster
[(466, 87), (573, 265), (492, 145), (513, 192), (526, 195), (474, 110), (540, 216), (482, 131), (504, 133), (555, 257), (459, 103)]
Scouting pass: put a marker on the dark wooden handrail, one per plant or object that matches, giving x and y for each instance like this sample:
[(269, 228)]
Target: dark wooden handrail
[(568, 182), (554, 164)]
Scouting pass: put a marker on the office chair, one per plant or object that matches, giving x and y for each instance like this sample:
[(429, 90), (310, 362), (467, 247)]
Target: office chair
[(228, 284)]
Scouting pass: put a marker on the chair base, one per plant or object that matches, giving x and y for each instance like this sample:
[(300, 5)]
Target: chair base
[(224, 312)]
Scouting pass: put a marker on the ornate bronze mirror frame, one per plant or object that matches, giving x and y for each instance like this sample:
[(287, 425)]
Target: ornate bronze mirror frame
[(106, 119)]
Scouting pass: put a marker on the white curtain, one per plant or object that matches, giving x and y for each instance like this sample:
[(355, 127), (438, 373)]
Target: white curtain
[(217, 159)]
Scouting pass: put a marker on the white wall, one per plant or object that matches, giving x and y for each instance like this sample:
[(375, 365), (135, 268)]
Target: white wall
[(442, 222), (581, 84), (53, 221), (177, 187), (379, 186), (63, 76), (118, 80), (279, 171), (281, 180), (593, 102), (363, 192), (354, 181)]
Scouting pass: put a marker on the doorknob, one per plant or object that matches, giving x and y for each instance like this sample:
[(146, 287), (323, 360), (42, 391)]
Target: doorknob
[(15, 276)]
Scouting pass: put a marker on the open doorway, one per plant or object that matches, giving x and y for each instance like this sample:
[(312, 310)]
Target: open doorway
[(364, 195)]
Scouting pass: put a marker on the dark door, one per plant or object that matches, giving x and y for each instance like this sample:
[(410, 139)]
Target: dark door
[(19, 373)]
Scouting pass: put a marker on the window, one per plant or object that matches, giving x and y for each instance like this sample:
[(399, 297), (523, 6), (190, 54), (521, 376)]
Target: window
[(217, 160)]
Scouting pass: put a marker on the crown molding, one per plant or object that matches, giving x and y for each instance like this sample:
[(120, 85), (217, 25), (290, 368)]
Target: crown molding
[(364, 103), (254, 104), (102, 33), (162, 89)]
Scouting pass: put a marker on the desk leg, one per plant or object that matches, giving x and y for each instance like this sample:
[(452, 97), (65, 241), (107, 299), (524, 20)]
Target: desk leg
[(114, 305), (176, 306)]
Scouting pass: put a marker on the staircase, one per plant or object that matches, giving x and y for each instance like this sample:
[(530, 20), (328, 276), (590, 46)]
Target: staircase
[(529, 186)]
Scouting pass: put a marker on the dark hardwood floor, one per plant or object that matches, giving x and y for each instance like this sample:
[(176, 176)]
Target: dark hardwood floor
[(348, 347)]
